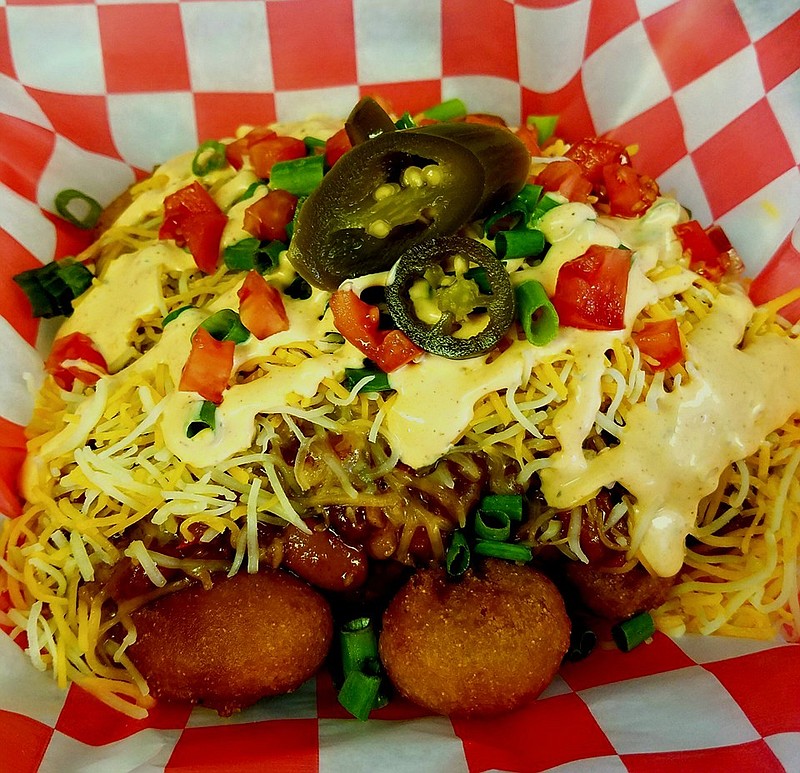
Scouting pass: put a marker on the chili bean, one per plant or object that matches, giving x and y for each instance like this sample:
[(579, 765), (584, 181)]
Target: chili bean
[(324, 560)]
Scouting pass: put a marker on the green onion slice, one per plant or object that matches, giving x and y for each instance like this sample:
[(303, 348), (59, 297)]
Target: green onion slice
[(518, 210), (175, 313), (510, 504), (582, 642), (446, 111), (250, 190), (210, 157), (519, 243), (537, 315), (225, 325), (206, 419), (506, 550), (492, 525), (299, 176), (313, 143), (458, 557), (251, 253), (379, 381), (546, 203), (359, 694), (405, 121), (634, 631), (52, 288), (545, 125), (78, 208), (358, 644)]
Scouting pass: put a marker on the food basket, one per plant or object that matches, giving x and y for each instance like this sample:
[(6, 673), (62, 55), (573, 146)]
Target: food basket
[(94, 94)]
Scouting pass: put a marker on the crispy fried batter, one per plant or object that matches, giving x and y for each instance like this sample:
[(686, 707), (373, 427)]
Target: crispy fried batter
[(480, 646), (618, 596), (248, 637)]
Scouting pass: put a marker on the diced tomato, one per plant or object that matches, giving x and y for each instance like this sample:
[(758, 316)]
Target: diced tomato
[(267, 152), (566, 178), (74, 357), (336, 146), (261, 308), (705, 257), (529, 138), (358, 323), (193, 219), (629, 193), (208, 367), (268, 217), (236, 151), (591, 290), (661, 341), (593, 153)]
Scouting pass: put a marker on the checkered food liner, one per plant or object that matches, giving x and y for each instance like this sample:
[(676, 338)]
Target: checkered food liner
[(94, 94)]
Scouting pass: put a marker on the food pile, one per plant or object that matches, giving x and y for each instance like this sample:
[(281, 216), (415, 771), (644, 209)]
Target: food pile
[(413, 391)]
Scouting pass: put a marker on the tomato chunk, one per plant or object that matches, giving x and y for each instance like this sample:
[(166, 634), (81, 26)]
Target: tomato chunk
[(591, 290), (261, 307), (566, 178), (75, 357), (704, 249), (265, 153), (336, 146), (208, 367), (629, 193), (661, 341), (358, 322), (269, 217), (593, 153), (193, 219)]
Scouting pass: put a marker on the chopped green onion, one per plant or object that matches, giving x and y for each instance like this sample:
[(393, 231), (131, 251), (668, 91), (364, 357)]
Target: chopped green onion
[(359, 694), (405, 121), (210, 157), (634, 631), (546, 203), (299, 176), (518, 210), (52, 288), (478, 275), (333, 338), (492, 525), (506, 550), (582, 642), (250, 190), (379, 380), (313, 143), (251, 253), (519, 243), (206, 419), (537, 315), (175, 313), (358, 644), (225, 325), (457, 560), (299, 289), (446, 111), (66, 204), (510, 504), (545, 125)]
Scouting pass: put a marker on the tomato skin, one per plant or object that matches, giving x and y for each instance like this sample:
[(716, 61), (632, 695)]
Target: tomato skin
[(236, 151), (261, 308), (265, 153), (208, 367), (629, 193), (75, 346), (593, 153), (661, 341), (591, 289), (268, 217), (336, 146), (529, 138), (566, 178), (704, 249), (358, 323), (193, 219)]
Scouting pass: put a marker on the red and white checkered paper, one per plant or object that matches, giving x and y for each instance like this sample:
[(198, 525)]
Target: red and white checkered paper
[(92, 94)]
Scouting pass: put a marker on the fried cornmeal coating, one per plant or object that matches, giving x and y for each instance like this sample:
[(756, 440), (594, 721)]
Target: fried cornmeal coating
[(479, 646), (248, 637)]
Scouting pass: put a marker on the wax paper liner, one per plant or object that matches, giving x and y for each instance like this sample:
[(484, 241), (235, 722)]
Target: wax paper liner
[(93, 94)]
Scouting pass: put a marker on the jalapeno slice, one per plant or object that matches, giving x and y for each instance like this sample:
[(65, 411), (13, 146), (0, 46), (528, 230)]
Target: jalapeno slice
[(440, 323), (367, 120), (398, 189)]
